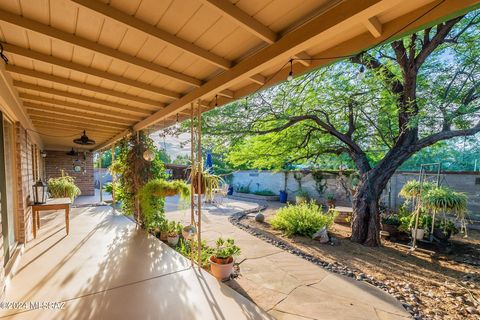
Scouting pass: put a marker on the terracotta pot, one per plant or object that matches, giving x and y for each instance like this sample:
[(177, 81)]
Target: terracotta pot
[(195, 184), (173, 241), (420, 233), (164, 236), (220, 270)]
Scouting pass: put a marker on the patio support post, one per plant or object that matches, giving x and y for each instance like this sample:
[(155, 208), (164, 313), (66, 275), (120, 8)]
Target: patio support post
[(199, 189), (192, 172), (113, 179)]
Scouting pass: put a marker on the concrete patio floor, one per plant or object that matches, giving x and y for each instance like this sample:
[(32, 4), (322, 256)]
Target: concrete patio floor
[(285, 285), (107, 269)]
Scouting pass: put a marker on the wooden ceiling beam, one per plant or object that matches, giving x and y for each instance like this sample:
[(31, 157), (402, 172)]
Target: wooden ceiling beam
[(82, 126), (30, 54), (84, 114), (95, 47), (226, 8), (114, 139), (53, 123), (76, 106), (147, 103), (154, 32), (47, 130), (61, 93), (81, 118), (374, 26), (258, 79), (345, 15)]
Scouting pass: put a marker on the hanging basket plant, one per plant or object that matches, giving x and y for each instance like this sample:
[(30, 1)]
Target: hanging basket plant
[(446, 200), (413, 189), (208, 184), (115, 168), (163, 188)]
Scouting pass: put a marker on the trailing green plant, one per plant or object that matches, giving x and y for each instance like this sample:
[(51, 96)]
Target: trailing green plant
[(63, 187), (108, 187), (209, 183), (116, 167), (152, 199), (446, 200), (264, 193), (413, 189), (134, 172), (447, 226), (407, 223), (225, 248), (302, 219)]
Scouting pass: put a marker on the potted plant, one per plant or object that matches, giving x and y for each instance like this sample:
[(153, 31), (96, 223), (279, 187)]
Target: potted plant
[(302, 196), (163, 230), (221, 260), (331, 200), (174, 231), (209, 182), (444, 229), (390, 223), (408, 224)]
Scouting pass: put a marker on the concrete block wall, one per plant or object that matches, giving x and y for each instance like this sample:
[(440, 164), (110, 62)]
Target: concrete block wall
[(467, 182), (55, 161)]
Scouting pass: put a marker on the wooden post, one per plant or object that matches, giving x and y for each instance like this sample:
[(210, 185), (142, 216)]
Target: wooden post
[(114, 179), (192, 173), (199, 191)]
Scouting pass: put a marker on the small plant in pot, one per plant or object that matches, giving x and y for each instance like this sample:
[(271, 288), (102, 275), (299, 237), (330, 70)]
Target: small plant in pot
[(390, 223), (163, 229), (221, 260), (331, 200), (302, 196), (408, 224), (444, 229), (174, 231)]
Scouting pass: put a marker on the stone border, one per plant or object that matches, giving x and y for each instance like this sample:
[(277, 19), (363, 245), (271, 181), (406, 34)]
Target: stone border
[(236, 220)]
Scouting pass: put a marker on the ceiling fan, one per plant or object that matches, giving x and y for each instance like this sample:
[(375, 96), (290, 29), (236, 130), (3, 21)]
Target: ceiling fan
[(84, 140)]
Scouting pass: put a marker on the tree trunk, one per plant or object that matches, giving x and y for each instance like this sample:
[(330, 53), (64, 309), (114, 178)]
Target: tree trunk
[(366, 215)]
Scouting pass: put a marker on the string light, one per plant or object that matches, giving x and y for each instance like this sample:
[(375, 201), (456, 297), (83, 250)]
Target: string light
[(290, 74), (216, 101), (246, 103)]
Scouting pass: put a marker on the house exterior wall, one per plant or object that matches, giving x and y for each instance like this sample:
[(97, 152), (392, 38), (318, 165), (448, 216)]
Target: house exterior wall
[(56, 161)]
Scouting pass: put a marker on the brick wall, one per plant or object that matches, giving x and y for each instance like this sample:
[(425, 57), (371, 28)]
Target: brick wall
[(58, 160), (24, 183)]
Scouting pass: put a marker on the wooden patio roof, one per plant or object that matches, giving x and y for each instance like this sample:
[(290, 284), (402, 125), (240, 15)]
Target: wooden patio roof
[(117, 66)]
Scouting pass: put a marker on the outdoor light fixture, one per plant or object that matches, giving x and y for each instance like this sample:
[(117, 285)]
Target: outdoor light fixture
[(216, 101), (43, 154), (84, 140), (290, 74), (39, 192), (148, 155)]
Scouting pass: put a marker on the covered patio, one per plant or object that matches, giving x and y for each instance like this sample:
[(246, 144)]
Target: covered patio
[(118, 68)]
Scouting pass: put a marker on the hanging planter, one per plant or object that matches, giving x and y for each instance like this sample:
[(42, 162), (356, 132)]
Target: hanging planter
[(208, 184), (413, 189)]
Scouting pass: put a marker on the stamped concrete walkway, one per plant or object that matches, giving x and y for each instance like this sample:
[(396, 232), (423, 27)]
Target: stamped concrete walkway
[(107, 269), (287, 286)]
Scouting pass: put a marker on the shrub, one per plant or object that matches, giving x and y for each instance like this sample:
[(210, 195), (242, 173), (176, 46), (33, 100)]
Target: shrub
[(184, 247), (302, 219), (264, 193), (63, 187)]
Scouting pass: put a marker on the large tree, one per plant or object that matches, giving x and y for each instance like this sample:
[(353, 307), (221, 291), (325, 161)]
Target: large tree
[(414, 92)]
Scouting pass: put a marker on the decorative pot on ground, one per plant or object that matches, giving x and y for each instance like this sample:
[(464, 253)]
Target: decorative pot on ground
[(302, 196), (221, 268), (173, 241), (390, 228), (441, 235), (420, 233), (221, 260), (283, 197)]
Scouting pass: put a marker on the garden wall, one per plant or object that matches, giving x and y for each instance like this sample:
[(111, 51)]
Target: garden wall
[(468, 182)]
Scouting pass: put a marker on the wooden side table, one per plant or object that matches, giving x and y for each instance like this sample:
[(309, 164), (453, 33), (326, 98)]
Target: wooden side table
[(51, 204)]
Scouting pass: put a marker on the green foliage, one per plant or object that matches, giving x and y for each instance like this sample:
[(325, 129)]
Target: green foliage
[(303, 219), (302, 193), (264, 193), (184, 247), (174, 228), (225, 248), (391, 219), (242, 188), (413, 188), (407, 223), (446, 200), (63, 187)]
